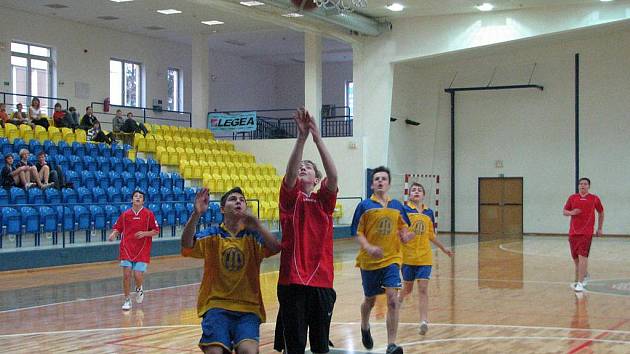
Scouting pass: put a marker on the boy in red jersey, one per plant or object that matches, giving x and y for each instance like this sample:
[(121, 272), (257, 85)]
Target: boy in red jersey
[(581, 208), (137, 227), (305, 284)]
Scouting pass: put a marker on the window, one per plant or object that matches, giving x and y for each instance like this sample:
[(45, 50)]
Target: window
[(124, 83), (174, 90), (31, 72), (349, 99)]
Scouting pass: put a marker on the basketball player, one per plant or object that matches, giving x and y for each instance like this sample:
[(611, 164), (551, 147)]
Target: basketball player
[(305, 284), (229, 301), (380, 224), (417, 253), (137, 227), (581, 208)]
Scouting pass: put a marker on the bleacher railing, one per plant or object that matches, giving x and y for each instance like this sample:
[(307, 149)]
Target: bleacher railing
[(279, 124), (149, 115), (45, 102)]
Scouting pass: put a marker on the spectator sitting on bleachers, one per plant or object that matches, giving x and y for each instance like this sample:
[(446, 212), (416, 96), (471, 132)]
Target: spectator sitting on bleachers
[(131, 126), (31, 171), (4, 117), (46, 175), (97, 135), (118, 121), (18, 117), (35, 114), (73, 117), (87, 122), (14, 176), (61, 118)]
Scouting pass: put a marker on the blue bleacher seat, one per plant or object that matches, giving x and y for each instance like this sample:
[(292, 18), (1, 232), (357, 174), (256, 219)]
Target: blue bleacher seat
[(118, 151), (102, 179), (166, 194), (126, 193), (89, 163), (17, 196), (178, 181), (117, 164), (129, 180), (76, 163), (69, 195), (99, 196), (111, 214), (91, 150), (166, 180), (81, 217), (141, 181), (113, 195), (78, 149), (36, 196), (207, 217), (104, 150), (181, 213), (115, 179), (61, 160), (141, 166), (154, 166), (5, 146), (65, 218), (19, 144), (48, 219), (129, 165), (72, 177), (88, 179), (84, 195), (29, 219), (178, 194), (217, 217), (4, 196), (103, 164), (35, 147), (153, 195), (98, 217), (157, 211), (53, 196), (190, 194), (50, 148), (169, 214), (154, 180), (126, 148), (11, 220), (65, 149)]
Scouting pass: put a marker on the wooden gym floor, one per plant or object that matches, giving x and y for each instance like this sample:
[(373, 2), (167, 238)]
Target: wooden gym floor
[(495, 296)]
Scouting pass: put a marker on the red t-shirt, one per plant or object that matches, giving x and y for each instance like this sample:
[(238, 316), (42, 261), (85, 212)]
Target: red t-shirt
[(128, 224), (307, 236), (584, 222), (58, 117)]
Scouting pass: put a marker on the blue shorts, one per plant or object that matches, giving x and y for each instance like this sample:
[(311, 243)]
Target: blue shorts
[(228, 329), (137, 266), (413, 272), (375, 281)]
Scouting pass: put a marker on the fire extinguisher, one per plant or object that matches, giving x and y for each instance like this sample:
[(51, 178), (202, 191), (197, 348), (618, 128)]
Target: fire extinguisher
[(106, 105)]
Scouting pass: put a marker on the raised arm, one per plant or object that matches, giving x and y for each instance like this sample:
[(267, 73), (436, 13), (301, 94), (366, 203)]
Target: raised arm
[(301, 122), (201, 206), (327, 161), (253, 223)]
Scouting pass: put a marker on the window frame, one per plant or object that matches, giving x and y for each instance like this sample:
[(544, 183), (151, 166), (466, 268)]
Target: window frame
[(29, 84), (179, 102), (123, 82), (350, 108)]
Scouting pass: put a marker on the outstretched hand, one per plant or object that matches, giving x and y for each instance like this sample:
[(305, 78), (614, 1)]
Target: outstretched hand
[(302, 120), (312, 127), (202, 200), (248, 219)]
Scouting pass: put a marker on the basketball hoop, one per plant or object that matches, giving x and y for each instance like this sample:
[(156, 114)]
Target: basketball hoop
[(341, 6)]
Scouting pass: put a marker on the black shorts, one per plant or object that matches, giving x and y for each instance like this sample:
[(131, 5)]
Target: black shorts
[(304, 309)]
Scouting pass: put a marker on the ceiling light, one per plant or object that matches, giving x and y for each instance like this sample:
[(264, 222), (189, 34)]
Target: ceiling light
[(120, 0), (293, 14), (485, 7), (169, 12), (212, 23), (252, 3), (396, 7), (606, 0)]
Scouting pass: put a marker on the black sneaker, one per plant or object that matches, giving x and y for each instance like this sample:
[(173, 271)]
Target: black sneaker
[(393, 349), (366, 338)]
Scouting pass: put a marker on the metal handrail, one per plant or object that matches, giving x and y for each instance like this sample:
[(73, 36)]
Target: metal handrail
[(145, 116)]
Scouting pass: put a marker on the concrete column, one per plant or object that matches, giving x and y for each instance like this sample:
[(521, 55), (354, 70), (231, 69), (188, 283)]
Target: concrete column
[(313, 74), (200, 80)]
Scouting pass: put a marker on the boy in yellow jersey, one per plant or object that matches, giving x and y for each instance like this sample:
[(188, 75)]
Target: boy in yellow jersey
[(229, 301), (417, 253), (380, 224)]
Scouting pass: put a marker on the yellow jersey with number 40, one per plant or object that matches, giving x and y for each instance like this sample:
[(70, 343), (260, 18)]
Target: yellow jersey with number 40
[(418, 250)]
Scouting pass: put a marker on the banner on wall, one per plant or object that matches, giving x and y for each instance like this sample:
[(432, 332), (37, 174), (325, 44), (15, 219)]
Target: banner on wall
[(232, 123)]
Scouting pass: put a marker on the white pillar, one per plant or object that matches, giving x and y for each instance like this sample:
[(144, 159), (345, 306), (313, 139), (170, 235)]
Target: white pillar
[(200, 80), (313, 74)]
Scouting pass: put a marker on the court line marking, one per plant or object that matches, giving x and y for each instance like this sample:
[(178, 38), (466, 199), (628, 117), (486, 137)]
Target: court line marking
[(598, 337), (431, 341), (115, 329), (504, 247)]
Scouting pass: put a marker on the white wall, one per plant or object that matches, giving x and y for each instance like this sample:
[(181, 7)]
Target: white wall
[(531, 131), (69, 41)]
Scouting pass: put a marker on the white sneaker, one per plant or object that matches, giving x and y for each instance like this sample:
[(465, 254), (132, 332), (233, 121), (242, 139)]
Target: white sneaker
[(127, 305), (579, 287), (587, 277), (139, 295), (424, 327)]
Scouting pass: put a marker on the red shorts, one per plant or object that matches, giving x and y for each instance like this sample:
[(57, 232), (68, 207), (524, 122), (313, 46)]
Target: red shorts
[(580, 245)]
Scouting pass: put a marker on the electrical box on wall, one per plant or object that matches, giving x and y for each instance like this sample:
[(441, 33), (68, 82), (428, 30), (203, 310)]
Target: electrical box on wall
[(157, 104)]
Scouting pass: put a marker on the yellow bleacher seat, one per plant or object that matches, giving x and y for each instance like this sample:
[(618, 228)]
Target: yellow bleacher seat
[(11, 132), (149, 127), (177, 141), (185, 168), (140, 143), (131, 154), (161, 154), (54, 134), (173, 156), (197, 172), (204, 167), (159, 141), (26, 133), (190, 152), (80, 135), (67, 135), (41, 134), (2, 133)]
